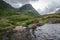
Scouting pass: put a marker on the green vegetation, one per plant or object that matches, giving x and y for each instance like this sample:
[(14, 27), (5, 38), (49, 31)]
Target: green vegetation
[(15, 20), (52, 18), (10, 18)]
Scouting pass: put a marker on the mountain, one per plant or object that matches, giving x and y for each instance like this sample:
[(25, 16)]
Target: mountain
[(8, 10), (4, 5), (27, 7), (28, 10)]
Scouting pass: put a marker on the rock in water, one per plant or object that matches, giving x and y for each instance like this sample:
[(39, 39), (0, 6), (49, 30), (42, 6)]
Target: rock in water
[(24, 34)]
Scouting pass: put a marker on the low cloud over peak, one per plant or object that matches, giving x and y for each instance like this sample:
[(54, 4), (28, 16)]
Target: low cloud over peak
[(42, 5)]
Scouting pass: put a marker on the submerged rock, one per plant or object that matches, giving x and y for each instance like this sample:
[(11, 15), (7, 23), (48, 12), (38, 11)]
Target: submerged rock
[(20, 33)]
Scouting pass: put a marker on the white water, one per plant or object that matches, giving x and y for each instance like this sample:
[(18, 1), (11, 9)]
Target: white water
[(48, 32), (45, 32)]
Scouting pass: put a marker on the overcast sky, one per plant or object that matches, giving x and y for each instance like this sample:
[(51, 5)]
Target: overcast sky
[(42, 6)]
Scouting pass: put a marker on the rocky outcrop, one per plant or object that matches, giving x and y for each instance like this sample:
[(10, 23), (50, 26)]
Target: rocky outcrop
[(21, 33), (24, 33)]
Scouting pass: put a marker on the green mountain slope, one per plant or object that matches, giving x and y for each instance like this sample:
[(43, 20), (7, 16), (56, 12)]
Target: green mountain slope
[(10, 18), (4, 5), (28, 10), (6, 9)]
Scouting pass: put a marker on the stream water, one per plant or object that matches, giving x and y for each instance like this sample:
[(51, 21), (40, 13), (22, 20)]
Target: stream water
[(48, 32), (45, 32)]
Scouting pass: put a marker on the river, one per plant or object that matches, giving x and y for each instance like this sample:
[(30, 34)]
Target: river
[(48, 32), (45, 32)]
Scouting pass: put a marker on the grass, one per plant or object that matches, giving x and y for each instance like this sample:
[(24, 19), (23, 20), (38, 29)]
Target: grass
[(16, 20), (53, 18), (10, 22), (10, 19), (25, 20)]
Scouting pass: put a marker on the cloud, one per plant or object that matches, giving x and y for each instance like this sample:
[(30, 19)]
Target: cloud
[(34, 0), (19, 1), (52, 4), (52, 7)]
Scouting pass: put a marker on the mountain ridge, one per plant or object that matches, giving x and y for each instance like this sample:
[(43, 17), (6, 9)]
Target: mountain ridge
[(28, 8), (4, 5)]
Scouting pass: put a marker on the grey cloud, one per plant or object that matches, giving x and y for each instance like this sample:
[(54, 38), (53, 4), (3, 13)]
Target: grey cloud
[(54, 4), (34, 0), (23, 1), (19, 1), (52, 7), (15, 3)]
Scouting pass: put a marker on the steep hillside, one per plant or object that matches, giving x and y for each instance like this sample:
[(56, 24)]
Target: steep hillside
[(28, 10), (6, 9), (4, 5), (10, 18)]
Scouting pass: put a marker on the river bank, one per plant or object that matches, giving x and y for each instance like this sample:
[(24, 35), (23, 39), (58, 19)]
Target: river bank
[(45, 32), (20, 31)]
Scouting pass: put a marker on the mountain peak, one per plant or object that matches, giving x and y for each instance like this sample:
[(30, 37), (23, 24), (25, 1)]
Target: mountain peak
[(28, 10), (26, 7)]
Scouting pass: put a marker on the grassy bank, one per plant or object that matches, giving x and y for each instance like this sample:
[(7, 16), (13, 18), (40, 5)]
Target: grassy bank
[(25, 20)]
